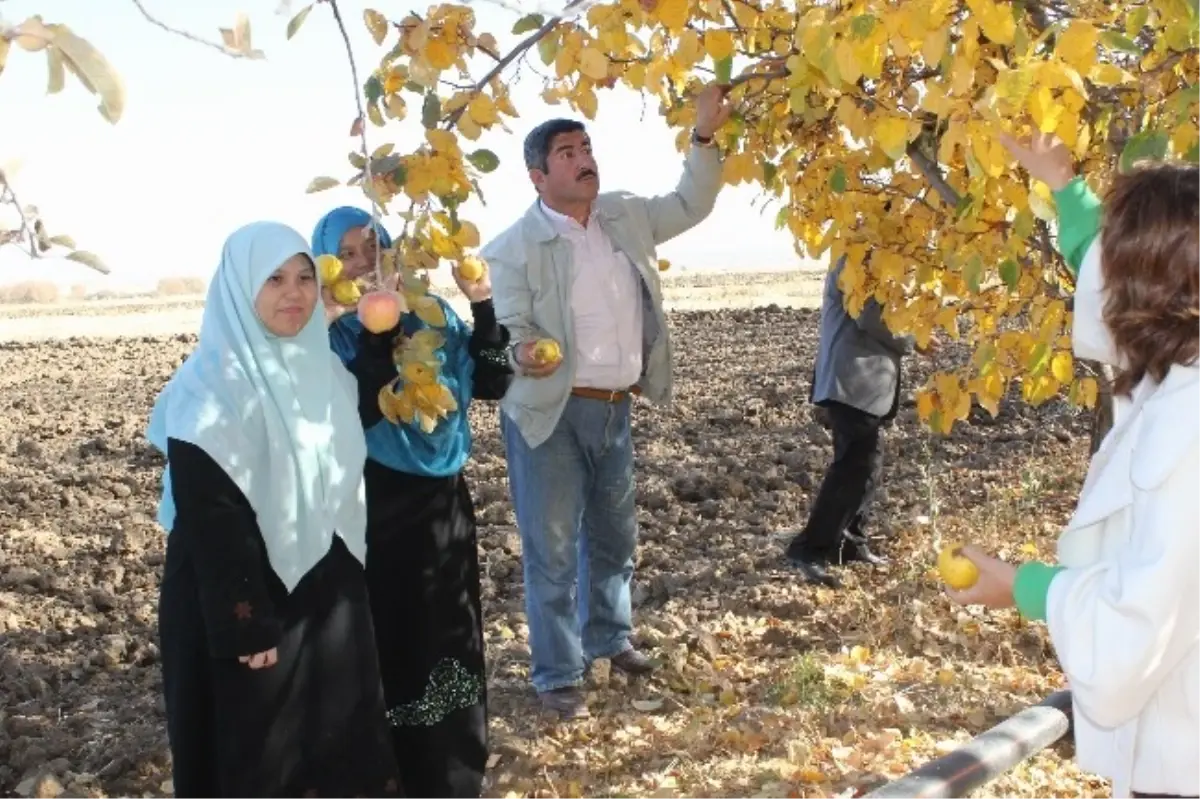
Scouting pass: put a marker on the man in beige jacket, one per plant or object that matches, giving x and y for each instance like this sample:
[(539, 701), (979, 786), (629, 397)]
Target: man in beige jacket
[(580, 267)]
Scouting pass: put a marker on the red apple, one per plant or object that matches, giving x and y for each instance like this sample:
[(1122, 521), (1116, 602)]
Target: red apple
[(379, 311)]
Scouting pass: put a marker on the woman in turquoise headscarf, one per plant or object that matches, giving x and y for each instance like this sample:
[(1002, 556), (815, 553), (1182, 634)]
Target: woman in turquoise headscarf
[(422, 564), (270, 673)]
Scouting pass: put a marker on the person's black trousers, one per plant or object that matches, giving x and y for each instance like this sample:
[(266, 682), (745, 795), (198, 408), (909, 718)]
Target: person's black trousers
[(843, 502)]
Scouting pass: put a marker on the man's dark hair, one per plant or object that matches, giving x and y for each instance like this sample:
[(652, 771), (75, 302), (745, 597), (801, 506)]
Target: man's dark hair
[(540, 139)]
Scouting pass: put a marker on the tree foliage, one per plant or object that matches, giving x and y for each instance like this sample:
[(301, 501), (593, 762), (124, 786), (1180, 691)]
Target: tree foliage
[(872, 127)]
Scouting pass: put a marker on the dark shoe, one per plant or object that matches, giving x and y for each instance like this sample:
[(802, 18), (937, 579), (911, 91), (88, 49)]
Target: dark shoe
[(855, 549), (567, 702), (633, 663), (813, 568)]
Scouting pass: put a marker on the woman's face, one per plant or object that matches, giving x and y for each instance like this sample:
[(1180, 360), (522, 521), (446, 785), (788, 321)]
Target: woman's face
[(358, 251), (287, 299)]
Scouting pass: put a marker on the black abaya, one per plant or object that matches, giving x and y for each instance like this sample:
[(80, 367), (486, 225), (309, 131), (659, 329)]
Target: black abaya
[(311, 725)]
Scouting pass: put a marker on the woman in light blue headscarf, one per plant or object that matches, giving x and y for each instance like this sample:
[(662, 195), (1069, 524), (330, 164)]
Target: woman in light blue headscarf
[(270, 672), (422, 564)]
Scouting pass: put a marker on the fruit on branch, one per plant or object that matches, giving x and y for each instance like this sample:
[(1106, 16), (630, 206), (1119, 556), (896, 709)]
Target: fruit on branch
[(346, 292), (379, 311), (472, 268), (546, 350), (663, 264), (956, 569), (329, 267)]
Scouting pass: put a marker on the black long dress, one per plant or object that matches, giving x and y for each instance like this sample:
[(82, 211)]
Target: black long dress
[(423, 577), (311, 725)]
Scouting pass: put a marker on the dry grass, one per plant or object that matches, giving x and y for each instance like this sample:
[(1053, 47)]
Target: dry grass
[(28, 292), (180, 286)]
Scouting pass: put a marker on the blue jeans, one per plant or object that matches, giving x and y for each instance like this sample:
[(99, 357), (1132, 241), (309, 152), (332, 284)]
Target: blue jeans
[(574, 500)]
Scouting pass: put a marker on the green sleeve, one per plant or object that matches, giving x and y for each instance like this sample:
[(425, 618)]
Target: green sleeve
[(1078, 221), (1030, 587)]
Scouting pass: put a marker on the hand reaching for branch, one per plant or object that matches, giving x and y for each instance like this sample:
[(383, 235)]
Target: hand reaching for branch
[(1044, 157), (712, 109)]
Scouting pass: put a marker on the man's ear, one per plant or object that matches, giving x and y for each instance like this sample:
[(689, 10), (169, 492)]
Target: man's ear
[(537, 177)]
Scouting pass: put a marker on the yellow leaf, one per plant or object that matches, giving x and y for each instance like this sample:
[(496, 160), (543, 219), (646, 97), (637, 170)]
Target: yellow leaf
[(891, 134), (718, 44), (439, 54), (377, 24), (995, 20), (429, 311), (1046, 112), (483, 110), (586, 102), (1077, 45), (593, 64), (1062, 366), (673, 14), (467, 235), (925, 405)]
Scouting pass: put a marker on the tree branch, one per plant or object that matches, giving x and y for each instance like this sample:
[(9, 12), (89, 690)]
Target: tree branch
[(933, 174), (368, 177), (8, 196), (221, 48), (526, 43)]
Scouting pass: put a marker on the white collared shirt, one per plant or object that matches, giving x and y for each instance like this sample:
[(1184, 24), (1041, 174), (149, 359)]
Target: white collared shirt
[(606, 303)]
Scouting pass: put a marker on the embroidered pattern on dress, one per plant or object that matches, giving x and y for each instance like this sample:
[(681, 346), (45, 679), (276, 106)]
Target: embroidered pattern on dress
[(451, 687)]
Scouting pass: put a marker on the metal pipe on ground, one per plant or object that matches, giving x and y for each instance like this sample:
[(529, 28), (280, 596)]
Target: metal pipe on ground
[(989, 754)]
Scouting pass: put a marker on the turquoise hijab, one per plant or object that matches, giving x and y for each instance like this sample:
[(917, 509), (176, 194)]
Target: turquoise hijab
[(278, 415), (405, 447)]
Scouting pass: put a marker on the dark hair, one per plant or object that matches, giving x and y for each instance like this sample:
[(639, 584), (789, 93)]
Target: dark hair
[(1150, 259), (540, 139)]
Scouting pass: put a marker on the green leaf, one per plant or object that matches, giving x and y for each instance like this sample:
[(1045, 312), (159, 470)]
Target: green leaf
[(781, 217), (414, 87), (548, 49), (723, 69), (1193, 154), (399, 176), (484, 160), (527, 23), (973, 273), (298, 20), (837, 179), (431, 111), (1119, 41), (1039, 359), (770, 170), (478, 191), (63, 240), (1010, 273), (1182, 101), (88, 259), (1023, 224), (1150, 144), (373, 90), (862, 25)]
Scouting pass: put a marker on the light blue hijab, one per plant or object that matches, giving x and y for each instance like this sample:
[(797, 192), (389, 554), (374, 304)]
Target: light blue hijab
[(278, 415)]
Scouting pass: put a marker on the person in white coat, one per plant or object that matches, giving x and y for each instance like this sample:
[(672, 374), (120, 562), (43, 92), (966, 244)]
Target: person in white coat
[(1123, 603)]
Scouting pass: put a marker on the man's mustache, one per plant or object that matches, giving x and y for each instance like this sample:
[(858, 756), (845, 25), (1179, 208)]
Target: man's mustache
[(585, 173)]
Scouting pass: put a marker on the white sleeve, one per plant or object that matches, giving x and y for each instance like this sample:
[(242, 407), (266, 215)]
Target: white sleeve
[(1121, 626)]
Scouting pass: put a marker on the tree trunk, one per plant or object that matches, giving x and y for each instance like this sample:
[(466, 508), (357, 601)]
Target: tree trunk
[(1104, 415)]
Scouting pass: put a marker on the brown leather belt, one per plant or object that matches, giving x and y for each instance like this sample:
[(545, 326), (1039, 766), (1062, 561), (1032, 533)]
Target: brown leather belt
[(607, 395)]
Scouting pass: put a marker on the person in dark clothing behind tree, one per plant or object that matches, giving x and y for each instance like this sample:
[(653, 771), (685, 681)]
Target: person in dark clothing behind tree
[(422, 562), (856, 385), (270, 675)]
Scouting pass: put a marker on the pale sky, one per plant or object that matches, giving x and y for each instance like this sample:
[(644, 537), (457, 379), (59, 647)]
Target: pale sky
[(208, 143)]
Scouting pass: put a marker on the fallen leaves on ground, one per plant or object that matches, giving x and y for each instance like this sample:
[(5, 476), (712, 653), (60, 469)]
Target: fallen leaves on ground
[(767, 687)]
